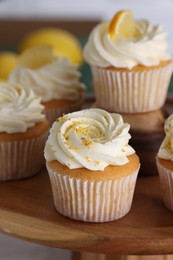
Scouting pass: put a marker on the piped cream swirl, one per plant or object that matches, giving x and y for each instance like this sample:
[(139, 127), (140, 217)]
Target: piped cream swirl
[(166, 148), (20, 108), (148, 50), (56, 80), (91, 138)]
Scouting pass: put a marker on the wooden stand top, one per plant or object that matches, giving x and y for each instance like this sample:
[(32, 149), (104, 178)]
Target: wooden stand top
[(27, 212)]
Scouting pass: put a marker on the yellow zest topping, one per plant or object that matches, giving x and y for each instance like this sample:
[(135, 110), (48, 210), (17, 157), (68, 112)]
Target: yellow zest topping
[(88, 159), (97, 162), (86, 142), (66, 137)]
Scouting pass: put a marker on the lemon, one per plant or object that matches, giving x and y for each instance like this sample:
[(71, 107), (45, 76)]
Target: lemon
[(8, 61), (64, 43), (123, 25), (36, 57)]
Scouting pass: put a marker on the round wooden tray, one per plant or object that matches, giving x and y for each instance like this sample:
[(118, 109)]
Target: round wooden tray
[(27, 212)]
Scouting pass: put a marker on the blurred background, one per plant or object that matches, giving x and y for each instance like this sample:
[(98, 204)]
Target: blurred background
[(158, 11), (19, 17)]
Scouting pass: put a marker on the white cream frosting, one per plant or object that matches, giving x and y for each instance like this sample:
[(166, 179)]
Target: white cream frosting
[(20, 108), (56, 80), (91, 138), (148, 50), (166, 148)]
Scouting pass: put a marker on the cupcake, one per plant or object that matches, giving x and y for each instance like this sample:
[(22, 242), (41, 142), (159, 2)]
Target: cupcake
[(130, 64), (91, 166), (164, 162), (23, 132), (56, 80)]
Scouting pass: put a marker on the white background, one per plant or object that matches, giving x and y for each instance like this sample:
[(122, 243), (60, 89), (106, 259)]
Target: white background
[(157, 11)]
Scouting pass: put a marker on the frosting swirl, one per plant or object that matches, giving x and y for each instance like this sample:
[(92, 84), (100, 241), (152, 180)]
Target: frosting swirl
[(148, 50), (166, 148), (19, 108), (56, 80), (91, 138)]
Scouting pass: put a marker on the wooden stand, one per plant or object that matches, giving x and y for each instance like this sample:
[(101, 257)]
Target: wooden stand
[(27, 212), (90, 256)]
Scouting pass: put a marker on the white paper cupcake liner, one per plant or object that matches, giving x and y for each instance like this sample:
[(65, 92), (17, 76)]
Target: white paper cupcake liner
[(21, 159), (92, 201), (53, 113), (166, 181), (131, 92)]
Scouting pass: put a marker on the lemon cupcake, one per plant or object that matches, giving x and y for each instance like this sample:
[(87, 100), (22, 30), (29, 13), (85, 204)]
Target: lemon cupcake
[(130, 64), (164, 161), (23, 132), (92, 168), (56, 80)]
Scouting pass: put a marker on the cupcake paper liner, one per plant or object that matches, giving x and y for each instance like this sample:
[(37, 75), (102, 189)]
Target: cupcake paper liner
[(92, 201), (21, 159), (166, 181), (53, 113), (131, 91)]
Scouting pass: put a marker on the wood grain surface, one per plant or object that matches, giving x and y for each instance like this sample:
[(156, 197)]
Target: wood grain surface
[(27, 212)]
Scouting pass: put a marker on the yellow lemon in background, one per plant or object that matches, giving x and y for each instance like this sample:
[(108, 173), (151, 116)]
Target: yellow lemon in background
[(123, 25), (8, 61), (36, 57), (64, 43)]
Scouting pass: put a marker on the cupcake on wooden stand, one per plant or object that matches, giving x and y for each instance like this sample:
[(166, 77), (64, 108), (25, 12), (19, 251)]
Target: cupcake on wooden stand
[(55, 79), (23, 132), (91, 166), (131, 70), (164, 160)]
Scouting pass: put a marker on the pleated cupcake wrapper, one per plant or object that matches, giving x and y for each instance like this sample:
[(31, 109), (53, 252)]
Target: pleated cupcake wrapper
[(92, 201), (131, 92), (53, 113), (166, 181), (21, 159)]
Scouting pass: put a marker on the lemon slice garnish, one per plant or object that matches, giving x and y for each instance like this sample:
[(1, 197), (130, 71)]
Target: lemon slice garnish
[(64, 43), (36, 57), (123, 25)]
